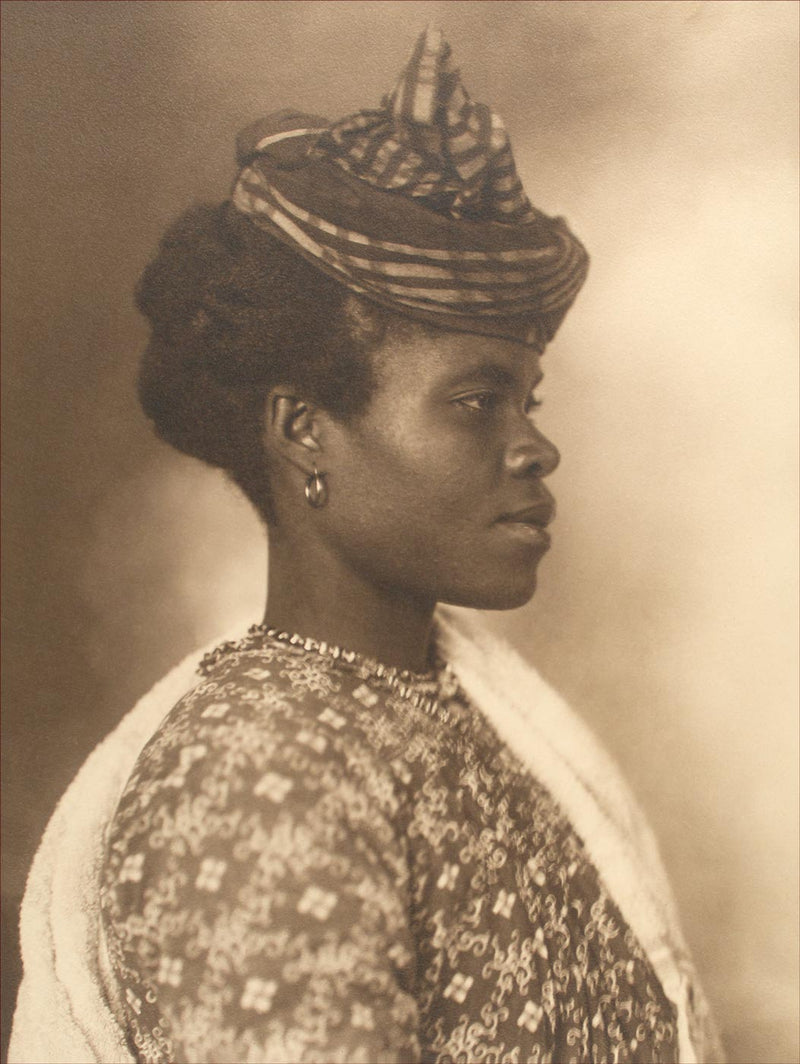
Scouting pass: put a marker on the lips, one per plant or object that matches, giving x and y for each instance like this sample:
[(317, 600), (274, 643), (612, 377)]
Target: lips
[(537, 516)]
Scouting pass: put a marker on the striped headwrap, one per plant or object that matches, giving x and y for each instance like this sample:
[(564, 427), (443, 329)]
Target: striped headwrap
[(416, 205)]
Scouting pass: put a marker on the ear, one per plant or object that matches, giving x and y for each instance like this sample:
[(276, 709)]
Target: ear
[(291, 428)]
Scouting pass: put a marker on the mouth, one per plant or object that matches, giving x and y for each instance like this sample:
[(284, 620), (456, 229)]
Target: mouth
[(530, 524), (538, 516)]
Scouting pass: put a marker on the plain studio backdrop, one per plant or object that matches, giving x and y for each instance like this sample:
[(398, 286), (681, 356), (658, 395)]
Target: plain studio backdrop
[(666, 133)]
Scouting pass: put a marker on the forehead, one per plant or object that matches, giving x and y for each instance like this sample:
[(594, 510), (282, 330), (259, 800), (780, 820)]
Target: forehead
[(424, 360)]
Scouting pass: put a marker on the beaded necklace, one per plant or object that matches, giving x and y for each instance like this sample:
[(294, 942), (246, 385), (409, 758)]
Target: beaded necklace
[(421, 690)]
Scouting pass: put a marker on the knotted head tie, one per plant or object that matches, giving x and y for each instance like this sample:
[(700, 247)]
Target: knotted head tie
[(416, 205)]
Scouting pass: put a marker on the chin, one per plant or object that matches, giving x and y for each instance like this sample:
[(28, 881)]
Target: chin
[(508, 597)]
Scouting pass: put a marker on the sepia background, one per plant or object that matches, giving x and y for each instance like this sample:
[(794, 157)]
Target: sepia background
[(667, 134)]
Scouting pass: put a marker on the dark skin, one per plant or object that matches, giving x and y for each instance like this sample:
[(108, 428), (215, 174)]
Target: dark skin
[(435, 494)]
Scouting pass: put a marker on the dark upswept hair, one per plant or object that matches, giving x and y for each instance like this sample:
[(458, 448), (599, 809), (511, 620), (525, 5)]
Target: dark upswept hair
[(233, 311)]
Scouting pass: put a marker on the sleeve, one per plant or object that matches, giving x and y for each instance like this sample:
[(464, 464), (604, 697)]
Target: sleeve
[(256, 897)]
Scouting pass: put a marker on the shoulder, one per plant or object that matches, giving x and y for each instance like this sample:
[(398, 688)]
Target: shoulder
[(260, 705), (264, 738), (255, 857), (260, 769)]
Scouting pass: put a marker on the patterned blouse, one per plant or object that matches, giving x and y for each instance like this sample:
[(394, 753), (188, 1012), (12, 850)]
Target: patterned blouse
[(305, 866)]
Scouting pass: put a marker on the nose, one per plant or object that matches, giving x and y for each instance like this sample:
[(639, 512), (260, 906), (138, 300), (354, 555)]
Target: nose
[(532, 454)]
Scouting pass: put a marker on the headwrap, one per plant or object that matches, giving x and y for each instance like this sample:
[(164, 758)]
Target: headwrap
[(417, 206)]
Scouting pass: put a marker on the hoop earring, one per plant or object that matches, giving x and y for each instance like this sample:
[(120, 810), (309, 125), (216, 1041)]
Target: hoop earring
[(316, 489)]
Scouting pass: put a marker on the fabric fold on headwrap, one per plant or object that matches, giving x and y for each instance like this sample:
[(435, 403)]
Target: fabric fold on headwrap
[(431, 141), (416, 205)]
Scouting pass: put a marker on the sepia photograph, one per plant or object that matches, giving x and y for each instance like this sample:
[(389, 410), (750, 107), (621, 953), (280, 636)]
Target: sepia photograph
[(400, 555)]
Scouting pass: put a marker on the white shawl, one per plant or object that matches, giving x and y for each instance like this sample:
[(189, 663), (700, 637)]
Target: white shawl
[(63, 1013)]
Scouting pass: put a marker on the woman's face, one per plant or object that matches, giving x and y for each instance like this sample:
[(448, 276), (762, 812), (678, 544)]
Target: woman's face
[(436, 490)]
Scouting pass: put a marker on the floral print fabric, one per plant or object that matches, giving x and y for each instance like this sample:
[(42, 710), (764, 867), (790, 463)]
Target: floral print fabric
[(306, 867)]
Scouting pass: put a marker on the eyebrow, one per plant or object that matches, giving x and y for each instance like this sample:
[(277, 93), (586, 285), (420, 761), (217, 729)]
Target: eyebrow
[(492, 372)]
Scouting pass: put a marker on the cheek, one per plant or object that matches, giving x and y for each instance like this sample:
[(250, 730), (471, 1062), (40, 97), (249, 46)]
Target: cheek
[(450, 464), (405, 503), (419, 518), (412, 497), (438, 486), (431, 515)]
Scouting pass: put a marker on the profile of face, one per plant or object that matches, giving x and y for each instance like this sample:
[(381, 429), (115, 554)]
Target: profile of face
[(435, 492)]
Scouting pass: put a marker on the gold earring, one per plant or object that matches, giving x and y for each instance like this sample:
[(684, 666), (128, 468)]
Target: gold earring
[(316, 489)]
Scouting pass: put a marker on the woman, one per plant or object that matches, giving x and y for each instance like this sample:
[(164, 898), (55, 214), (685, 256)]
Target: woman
[(367, 833)]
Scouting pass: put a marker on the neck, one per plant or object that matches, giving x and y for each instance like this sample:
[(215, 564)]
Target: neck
[(320, 597)]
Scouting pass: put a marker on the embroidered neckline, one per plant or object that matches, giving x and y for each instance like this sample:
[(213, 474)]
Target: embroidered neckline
[(425, 691)]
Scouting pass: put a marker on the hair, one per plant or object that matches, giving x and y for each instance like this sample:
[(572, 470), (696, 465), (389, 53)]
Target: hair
[(233, 312)]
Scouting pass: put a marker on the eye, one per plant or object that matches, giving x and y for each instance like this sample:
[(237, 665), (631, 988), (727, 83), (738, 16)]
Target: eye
[(483, 402)]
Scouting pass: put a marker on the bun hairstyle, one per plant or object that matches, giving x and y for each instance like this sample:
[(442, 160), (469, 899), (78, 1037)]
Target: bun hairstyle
[(233, 312)]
